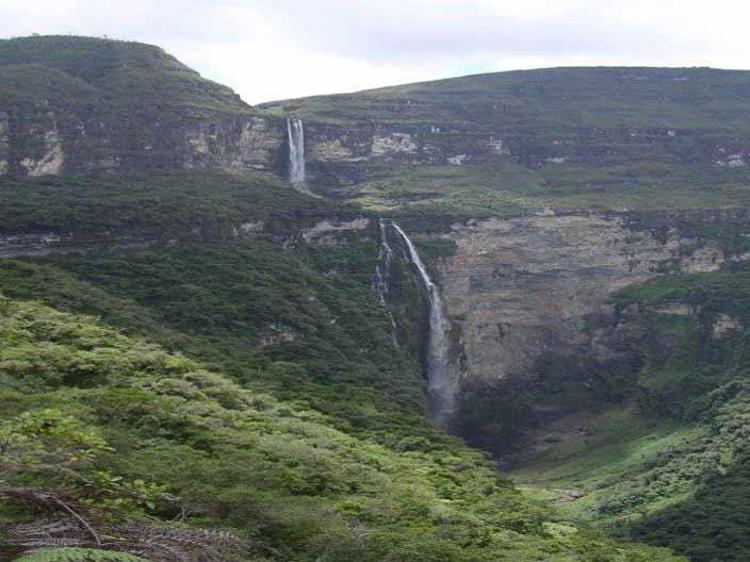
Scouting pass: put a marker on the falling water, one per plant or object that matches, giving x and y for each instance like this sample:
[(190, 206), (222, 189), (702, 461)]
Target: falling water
[(383, 274), (296, 135), (383, 268), (441, 386)]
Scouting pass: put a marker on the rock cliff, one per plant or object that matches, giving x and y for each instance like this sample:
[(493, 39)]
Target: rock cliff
[(525, 291)]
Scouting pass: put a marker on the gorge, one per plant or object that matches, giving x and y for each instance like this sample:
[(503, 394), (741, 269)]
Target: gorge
[(330, 328)]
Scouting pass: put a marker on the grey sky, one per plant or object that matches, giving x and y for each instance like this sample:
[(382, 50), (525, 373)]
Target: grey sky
[(274, 49)]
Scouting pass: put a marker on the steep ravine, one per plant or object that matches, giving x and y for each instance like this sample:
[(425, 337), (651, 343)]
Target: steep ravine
[(602, 360), (529, 302), (512, 312)]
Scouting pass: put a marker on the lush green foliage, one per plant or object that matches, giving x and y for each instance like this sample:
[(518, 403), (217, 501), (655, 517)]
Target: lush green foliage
[(86, 73), (319, 446), (274, 320), (137, 207), (437, 194), (275, 470), (672, 468), (78, 555), (250, 381)]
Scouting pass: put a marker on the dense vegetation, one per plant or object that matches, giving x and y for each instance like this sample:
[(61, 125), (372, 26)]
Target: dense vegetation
[(101, 420), (201, 383), (670, 465), (100, 75), (260, 366), (507, 188), (197, 204)]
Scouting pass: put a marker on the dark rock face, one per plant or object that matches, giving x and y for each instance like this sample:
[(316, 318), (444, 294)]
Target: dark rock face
[(526, 291), (43, 141), (346, 155)]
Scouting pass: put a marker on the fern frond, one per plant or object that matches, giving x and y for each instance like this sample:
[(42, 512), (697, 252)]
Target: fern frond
[(78, 555), (183, 543), (46, 528)]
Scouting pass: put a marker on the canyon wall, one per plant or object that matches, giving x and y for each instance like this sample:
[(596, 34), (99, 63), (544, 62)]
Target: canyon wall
[(522, 293), (44, 141)]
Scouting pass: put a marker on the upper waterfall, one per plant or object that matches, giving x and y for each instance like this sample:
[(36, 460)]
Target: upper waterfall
[(441, 384), (296, 136)]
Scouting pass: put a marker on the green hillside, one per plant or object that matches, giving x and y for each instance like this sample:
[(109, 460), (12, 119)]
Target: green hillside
[(551, 99), (670, 464), (187, 374), (173, 404), (85, 74)]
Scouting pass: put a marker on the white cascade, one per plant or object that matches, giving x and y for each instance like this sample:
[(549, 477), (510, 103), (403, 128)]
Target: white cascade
[(441, 383), (296, 136), (383, 274)]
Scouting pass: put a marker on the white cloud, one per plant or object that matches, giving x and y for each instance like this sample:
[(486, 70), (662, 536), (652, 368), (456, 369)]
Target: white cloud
[(273, 49)]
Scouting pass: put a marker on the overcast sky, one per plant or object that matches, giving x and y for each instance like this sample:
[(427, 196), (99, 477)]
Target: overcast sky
[(276, 49)]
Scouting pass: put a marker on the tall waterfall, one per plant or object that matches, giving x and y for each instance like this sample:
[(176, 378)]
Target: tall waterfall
[(296, 136), (441, 384)]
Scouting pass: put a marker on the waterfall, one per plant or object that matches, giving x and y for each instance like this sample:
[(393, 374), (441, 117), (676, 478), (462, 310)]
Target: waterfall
[(296, 136), (383, 267), (383, 274), (441, 384)]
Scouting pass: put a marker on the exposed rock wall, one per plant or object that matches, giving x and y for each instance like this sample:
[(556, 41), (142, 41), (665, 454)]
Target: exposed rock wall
[(335, 232), (4, 143), (342, 155), (410, 143), (346, 152), (40, 141), (525, 290), (36, 244)]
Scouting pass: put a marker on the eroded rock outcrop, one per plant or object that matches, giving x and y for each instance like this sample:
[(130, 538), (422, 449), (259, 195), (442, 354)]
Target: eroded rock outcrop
[(52, 143), (525, 290)]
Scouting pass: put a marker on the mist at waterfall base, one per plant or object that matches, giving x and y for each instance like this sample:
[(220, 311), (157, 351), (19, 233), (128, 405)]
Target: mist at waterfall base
[(440, 380), (296, 138)]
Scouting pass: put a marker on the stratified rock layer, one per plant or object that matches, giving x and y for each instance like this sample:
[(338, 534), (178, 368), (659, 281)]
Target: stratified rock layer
[(524, 290)]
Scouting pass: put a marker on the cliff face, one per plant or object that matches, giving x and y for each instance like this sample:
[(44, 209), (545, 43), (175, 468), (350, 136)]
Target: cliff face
[(523, 293), (565, 126), (46, 141)]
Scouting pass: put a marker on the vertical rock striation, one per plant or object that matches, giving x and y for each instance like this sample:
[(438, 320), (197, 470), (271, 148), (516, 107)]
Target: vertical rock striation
[(525, 291)]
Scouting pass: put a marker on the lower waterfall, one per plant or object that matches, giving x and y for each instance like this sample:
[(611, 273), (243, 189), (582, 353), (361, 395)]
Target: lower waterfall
[(441, 384), (383, 267)]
